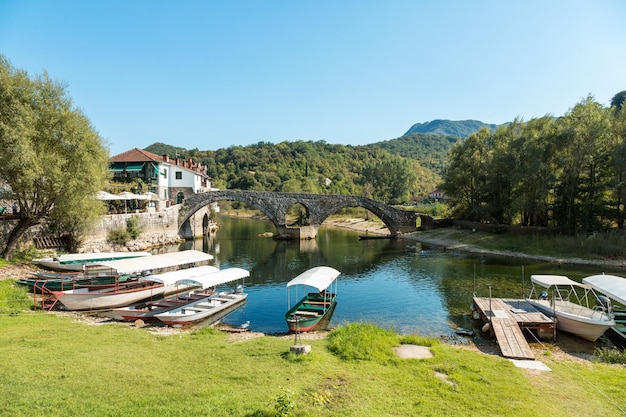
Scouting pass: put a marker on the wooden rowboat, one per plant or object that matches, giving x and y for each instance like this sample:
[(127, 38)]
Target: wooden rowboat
[(315, 309)]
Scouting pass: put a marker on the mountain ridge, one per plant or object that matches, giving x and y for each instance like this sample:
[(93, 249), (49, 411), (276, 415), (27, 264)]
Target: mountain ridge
[(446, 127)]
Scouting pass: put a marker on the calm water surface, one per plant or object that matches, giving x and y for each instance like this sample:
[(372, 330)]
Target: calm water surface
[(397, 284)]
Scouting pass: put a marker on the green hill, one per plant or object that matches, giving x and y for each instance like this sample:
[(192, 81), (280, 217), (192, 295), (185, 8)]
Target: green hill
[(460, 128)]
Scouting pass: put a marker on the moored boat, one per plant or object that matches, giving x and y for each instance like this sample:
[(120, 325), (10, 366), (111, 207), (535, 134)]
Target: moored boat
[(146, 311), (77, 261), (569, 302), (614, 288), (145, 287), (315, 309), (123, 294), (151, 265), (212, 307)]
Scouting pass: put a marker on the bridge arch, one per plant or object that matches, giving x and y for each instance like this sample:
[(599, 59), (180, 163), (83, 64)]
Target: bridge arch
[(319, 207)]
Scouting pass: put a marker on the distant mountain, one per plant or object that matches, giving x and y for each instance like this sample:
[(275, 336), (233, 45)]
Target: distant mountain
[(459, 128)]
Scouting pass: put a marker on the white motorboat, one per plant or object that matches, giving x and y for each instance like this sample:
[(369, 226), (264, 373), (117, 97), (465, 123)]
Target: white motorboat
[(574, 305)]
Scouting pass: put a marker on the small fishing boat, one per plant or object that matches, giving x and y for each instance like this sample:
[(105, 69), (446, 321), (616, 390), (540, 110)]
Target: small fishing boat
[(68, 281), (213, 307), (145, 287), (146, 311), (614, 288), (315, 309), (76, 261), (122, 294), (569, 301)]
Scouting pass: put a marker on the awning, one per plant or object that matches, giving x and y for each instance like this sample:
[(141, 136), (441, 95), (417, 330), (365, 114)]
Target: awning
[(128, 167), (319, 277), (610, 285), (550, 280), (166, 260), (218, 277), (182, 276)]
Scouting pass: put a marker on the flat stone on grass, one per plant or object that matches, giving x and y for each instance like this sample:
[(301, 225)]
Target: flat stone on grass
[(413, 352)]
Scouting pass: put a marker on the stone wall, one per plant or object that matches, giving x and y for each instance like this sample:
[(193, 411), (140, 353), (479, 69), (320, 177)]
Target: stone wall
[(159, 228)]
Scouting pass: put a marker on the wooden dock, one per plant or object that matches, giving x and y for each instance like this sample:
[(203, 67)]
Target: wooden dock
[(508, 317)]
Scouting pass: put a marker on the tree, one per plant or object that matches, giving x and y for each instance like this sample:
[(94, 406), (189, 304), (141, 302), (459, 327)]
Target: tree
[(618, 100), (55, 162)]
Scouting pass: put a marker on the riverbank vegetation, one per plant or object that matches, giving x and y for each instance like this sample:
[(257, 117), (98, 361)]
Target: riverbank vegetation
[(565, 173), (56, 364)]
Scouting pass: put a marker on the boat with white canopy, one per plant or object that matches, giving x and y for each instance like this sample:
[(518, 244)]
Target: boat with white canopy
[(574, 305), (315, 309), (154, 264), (129, 292), (76, 261), (213, 306), (146, 310), (613, 287)]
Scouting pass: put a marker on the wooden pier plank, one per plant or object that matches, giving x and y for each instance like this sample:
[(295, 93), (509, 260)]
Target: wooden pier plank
[(507, 317)]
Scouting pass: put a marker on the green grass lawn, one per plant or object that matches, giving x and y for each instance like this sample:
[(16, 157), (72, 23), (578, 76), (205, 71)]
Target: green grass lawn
[(56, 365)]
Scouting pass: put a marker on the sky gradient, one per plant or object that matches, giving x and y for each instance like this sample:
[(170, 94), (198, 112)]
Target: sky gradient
[(211, 74)]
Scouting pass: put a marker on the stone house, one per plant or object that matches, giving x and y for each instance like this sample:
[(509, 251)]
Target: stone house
[(170, 179)]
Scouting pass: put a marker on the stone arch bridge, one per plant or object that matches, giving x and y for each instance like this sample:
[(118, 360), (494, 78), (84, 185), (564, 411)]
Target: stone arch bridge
[(318, 207)]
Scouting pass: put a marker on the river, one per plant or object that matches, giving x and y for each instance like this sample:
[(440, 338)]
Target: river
[(395, 283)]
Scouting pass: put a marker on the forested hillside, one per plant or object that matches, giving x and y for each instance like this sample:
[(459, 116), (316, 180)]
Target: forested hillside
[(397, 170), (429, 149), (314, 167)]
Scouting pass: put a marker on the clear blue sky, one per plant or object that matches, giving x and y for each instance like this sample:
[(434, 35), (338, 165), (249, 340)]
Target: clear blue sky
[(211, 74)]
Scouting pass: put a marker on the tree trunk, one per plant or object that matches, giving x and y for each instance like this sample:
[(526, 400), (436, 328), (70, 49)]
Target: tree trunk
[(23, 225)]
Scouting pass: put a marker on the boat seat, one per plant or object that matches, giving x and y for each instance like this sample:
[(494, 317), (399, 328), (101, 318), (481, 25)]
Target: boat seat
[(204, 304), (305, 313), (192, 310)]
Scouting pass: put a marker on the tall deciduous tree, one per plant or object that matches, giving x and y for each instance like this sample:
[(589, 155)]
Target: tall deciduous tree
[(54, 161)]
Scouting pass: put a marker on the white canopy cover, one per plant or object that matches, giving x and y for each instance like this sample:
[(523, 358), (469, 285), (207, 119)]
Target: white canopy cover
[(611, 285), (219, 277), (165, 260), (181, 276), (550, 280), (319, 277)]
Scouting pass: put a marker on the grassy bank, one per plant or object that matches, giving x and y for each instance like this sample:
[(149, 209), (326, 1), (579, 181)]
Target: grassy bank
[(56, 365)]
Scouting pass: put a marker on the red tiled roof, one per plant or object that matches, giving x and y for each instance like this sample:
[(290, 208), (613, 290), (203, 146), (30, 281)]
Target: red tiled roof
[(136, 155), (140, 155)]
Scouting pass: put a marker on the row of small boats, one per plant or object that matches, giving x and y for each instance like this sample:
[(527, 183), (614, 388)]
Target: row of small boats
[(177, 289)]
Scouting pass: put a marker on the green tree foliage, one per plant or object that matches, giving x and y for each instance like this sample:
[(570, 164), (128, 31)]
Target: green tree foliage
[(618, 100), (566, 172), (54, 161), (315, 167)]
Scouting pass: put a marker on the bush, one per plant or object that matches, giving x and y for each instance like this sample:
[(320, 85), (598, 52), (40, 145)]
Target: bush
[(118, 236), (133, 227), (363, 341)]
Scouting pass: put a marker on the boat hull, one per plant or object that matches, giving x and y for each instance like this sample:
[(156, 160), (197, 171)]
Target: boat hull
[(84, 299), (208, 309), (306, 317), (148, 311), (587, 327)]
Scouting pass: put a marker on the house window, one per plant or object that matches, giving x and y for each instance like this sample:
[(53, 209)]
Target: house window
[(179, 175)]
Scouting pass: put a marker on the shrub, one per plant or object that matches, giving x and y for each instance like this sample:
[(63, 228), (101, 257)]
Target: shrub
[(133, 227), (362, 341), (118, 236)]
